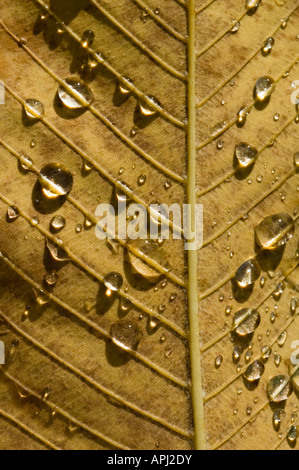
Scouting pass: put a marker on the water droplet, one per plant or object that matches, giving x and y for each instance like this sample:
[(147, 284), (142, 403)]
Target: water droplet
[(237, 353), (113, 282), (245, 154), (75, 94), (56, 180), (46, 393), (125, 304), (141, 180), (155, 252), (246, 321), (126, 335), (268, 45), (87, 166), (41, 298), (57, 223), (220, 145), (248, 273), (57, 253), (282, 339), (87, 38), (293, 306), (279, 388), (34, 109), (292, 435), (78, 228), (255, 371), (252, 4), (296, 160), (277, 418), (264, 88), (274, 231), (242, 115), (124, 85), (218, 362), (33, 143), (12, 213), (277, 360), (123, 192), (218, 129), (148, 106), (276, 117), (235, 27), (51, 279), (172, 297), (26, 162), (266, 353), (284, 22)]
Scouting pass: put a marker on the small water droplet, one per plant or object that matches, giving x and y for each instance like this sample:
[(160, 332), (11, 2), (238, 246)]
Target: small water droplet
[(46, 393), (284, 22), (124, 86), (40, 297), (141, 180), (264, 88), (242, 115), (56, 251), (126, 335), (25, 162), (87, 38), (237, 352), (235, 27), (12, 213), (218, 362), (34, 109), (57, 223), (274, 231), (246, 321), (113, 282), (292, 435), (56, 180), (282, 339), (268, 46), (245, 154), (75, 94), (277, 360), (51, 279)]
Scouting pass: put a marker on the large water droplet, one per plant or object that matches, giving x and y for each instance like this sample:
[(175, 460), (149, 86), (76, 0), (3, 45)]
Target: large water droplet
[(246, 155), (255, 371), (56, 180), (248, 273), (126, 335), (279, 388), (264, 88), (274, 231), (34, 109), (76, 95), (113, 282), (246, 321)]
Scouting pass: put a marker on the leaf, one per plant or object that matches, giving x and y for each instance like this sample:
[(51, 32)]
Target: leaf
[(65, 384)]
